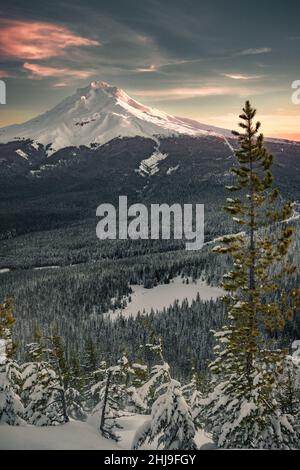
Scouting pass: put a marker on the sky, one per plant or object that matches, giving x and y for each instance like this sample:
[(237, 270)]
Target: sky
[(193, 58)]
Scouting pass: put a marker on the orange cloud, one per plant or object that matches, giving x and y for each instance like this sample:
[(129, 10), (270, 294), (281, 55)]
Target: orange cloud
[(37, 40), (45, 71), (151, 68), (239, 76), (182, 93)]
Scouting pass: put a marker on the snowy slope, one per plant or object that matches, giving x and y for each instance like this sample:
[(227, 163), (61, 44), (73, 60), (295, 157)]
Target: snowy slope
[(95, 115), (78, 435), (71, 436)]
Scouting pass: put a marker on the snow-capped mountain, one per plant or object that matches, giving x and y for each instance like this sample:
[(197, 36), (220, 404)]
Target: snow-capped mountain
[(97, 114)]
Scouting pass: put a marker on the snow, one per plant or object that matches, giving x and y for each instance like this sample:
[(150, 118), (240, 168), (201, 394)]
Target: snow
[(97, 114), (71, 436), (35, 173), (150, 165), (78, 435), (22, 154), (35, 145), (296, 213), (172, 169), (4, 270), (39, 268), (165, 295)]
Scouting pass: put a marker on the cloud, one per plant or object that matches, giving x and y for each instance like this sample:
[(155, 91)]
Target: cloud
[(43, 71), (259, 50), (37, 40), (241, 76), (184, 93), (151, 68), (5, 74), (277, 124), (60, 84)]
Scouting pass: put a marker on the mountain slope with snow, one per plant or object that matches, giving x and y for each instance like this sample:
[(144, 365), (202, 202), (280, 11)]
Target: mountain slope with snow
[(95, 115)]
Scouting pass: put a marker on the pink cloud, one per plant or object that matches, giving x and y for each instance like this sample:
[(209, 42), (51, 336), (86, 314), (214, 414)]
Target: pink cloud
[(43, 71), (4, 74), (37, 40)]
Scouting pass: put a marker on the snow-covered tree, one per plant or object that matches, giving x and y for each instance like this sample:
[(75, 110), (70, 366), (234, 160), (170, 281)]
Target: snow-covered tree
[(11, 408), (159, 373), (40, 394), (40, 384), (46, 394), (108, 406), (171, 422), (58, 361), (194, 397), (92, 373), (117, 394), (75, 391), (288, 391), (127, 377)]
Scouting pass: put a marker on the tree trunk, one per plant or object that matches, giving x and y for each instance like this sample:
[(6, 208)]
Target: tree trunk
[(102, 421), (249, 359)]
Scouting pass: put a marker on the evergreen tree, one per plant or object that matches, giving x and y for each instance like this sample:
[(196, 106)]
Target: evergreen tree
[(40, 395), (11, 408), (91, 376), (117, 394), (194, 396), (40, 384), (58, 361), (171, 421), (47, 390), (75, 391), (288, 391), (7, 322), (242, 411), (107, 391)]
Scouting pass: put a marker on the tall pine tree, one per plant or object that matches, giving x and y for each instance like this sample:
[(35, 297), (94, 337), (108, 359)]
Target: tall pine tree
[(242, 412)]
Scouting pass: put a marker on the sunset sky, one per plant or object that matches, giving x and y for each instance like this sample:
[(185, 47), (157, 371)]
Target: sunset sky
[(194, 58)]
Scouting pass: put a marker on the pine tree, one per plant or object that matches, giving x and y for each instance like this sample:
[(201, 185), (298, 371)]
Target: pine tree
[(11, 407), (242, 412), (35, 351), (58, 361), (7, 322), (40, 396), (117, 394), (91, 376), (171, 422), (194, 397), (108, 392), (47, 391), (75, 391), (125, 377), (288, 391), (40, 384), (139, 375)]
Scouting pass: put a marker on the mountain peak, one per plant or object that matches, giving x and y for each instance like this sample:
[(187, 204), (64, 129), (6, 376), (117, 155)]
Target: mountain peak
[(100, 88), (95, 115)]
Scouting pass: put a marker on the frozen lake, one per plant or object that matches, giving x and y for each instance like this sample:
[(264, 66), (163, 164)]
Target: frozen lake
[(164, 295)]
